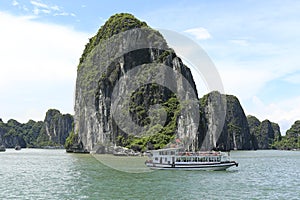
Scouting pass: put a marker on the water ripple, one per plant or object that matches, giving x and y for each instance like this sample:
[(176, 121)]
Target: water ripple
[(53, 174)]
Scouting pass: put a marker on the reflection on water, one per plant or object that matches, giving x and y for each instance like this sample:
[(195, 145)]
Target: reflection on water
[(130, 164)]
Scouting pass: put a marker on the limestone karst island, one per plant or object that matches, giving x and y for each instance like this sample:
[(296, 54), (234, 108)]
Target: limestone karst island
[(94, 128)]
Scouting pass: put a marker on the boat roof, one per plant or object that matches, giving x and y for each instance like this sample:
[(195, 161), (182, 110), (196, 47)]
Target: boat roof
[(168, 149)]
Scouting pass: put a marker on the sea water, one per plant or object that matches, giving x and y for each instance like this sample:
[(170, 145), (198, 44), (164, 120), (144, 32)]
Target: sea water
[(54, 174)]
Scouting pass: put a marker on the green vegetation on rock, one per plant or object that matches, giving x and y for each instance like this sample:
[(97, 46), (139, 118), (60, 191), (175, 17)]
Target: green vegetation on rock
[(50, 132), (157, 136), (291, 140), (115, 24), (71, 140)]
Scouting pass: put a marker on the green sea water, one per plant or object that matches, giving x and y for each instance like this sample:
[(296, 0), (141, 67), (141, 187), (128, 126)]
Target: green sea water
[(54, 174)]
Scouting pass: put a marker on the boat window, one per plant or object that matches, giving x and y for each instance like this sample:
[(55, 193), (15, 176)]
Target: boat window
[(156, 158)]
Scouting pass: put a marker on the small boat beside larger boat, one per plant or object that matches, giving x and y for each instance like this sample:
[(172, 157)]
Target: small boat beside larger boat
[(2, 148), (176, 158), (18, 147)]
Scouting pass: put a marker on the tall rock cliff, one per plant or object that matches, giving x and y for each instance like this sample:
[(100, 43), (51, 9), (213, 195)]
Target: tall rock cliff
[(294, 131), (292, 138), (50, 132), (57, 126), (254, 127), (11, 134), (265, 132), (132, 89), (224, 123)]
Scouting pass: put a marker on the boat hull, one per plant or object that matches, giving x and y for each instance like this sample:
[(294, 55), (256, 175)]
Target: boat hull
[(193, 167)]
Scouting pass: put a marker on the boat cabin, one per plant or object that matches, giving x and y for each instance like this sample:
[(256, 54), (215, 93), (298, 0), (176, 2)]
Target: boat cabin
[(179, 156)]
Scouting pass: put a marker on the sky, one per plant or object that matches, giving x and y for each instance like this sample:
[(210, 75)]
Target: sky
[(253, 44)]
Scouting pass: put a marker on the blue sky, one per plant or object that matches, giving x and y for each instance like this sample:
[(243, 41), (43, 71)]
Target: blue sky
[(254, 45)]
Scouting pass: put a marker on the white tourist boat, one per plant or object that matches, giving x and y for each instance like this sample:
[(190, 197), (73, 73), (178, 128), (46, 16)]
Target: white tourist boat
[(176, 158)]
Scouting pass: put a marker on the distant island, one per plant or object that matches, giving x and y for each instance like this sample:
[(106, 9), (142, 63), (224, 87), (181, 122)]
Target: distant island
[(57, 131), (52, 132)]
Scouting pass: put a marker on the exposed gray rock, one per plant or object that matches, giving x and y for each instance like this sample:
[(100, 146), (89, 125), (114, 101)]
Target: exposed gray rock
[(53, 131), (58, 126), (223, 121), (265, 132), (106, 72)]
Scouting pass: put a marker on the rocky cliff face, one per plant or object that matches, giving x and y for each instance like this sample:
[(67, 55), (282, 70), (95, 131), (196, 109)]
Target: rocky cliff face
[(52, 131), (57, 126), (132, 90), (11, 134), (130, 84), (265, 132), (294, 131), (291, 140), (223, 121)]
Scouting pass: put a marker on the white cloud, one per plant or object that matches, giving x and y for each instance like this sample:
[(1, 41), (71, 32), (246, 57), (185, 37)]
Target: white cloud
[(39, 4), (242, 80), (36, 11), (38, 62), (240, 42), (46, 11), (25, 8), (64, 14), (15, 3), (200, 33), (56, 8), (42, 8), (294, 78)]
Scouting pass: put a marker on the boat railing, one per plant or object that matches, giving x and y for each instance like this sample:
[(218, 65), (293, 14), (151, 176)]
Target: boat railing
[(181, 153), (206, 153), (214, 155)]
